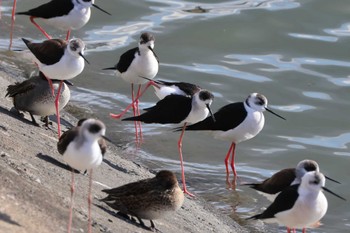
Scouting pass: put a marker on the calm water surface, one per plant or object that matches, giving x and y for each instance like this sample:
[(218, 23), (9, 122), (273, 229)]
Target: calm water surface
[(294, 52)]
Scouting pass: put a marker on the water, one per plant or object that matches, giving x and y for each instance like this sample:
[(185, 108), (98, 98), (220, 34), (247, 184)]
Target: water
[(294, 52)]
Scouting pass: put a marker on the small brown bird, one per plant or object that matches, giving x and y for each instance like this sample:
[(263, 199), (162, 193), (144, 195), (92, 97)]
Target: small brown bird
[(147, 199), (34, 96)]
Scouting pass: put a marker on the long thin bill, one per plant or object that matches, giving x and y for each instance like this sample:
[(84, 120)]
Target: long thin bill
[(331, 192), (211, 113), (107, 139), (100, 9), (80, 54), (270, 111), (328, 178)]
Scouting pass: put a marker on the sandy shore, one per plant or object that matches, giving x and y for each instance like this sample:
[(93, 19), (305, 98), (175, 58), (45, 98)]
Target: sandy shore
[(34, 184)]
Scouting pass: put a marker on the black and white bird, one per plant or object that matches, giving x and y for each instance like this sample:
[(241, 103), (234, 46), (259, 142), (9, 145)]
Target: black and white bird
[(178, 109), (285, 178), (59, 60), (82, 150), (65, 15), (34, 96), (165, 88), (236, 122), (134, 64), (300, 205), (151, 198)]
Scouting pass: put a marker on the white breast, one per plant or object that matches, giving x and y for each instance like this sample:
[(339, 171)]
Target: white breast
[(249, 128), (144, 65), (305, 213), (87, 156), (67, 68), (76, 19)]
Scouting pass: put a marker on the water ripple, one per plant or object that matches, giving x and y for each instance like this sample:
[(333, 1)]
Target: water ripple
[(338, 142)]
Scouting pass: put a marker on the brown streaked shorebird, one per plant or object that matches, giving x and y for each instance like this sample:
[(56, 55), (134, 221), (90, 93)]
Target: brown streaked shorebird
[(147, 199), (34, 96), (81, 150), (58, 59), (179, 109), (286, 177)]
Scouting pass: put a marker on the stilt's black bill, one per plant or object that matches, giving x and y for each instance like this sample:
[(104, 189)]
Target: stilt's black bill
[(270, 111), (94, 5), (211, 113), (80, 54), (107, 139), (328, 178), (331, 192)]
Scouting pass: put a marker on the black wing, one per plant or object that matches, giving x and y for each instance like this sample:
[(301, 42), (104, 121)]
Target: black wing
[(228, 117), (284, 201), (189, 88), (20, 88), (54, 8), (276, 183), (66, 138), (126, 59), (171, 109), (48, 52)]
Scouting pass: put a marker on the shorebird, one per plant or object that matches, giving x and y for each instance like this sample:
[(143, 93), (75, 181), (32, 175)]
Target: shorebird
[(300, 205), (178, 109), (163, 89), (34, 96), (58, 59), (81, 151), (135, 64), (236, 122), (147, 199), (285, 178), (65, 15)]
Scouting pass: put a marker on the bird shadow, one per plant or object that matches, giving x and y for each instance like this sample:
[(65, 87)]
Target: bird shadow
[(123, 217), (16, 115), (20, 116), (55, 162), (115, 166), (7, 218)]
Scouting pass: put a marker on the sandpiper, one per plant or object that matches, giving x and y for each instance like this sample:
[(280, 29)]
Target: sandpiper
[(63, 14), (34, 96), (81, 151), (134, 64), (300, 205), (147, 199), (58, 59), (286, 177), (237, 122), (179, 109)]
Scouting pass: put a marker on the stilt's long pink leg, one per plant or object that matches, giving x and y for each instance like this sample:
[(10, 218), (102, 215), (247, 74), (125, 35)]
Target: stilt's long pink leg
[(89, 202), (227, 159), (134, 111), (40, 28), (13, 17), (68, 35), (179, 145), (57, 101), (138, 114), (233, 160), (71, 203), (118, 116)]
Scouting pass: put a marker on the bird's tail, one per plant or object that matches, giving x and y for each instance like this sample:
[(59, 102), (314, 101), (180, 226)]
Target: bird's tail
[(110, 68)]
